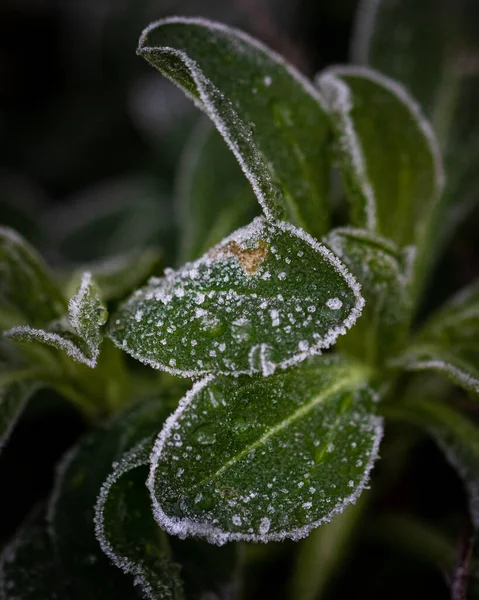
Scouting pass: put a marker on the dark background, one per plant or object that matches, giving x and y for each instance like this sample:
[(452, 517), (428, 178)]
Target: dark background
[(87, 127)]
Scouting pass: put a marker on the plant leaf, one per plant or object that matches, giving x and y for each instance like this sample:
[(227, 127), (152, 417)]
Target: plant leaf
[(263, 459), (79, 478), (449, 342), (213, 195), (387, 152), (383, 272), (31, 569), (456, 435), (267, 296), (130, 537), (81, 336), (269, 115), (439, 70), (27, 289), (13, 400)]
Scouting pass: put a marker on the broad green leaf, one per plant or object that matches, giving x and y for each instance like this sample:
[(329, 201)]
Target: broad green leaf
[(264, 459), (127, 532), (27, 290), (117, 276), (269, 115), (133, 541), (440, 70), (268, 296), (80, 337), (213, 195), (455, 434), (31, 569), (383, 272), (449, 342), (78, 482), (13, 399), (387, 152)]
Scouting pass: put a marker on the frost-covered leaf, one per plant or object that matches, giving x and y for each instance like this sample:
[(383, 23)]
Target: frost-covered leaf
[(213, 196), (79, 478), (383, 272), (456, 435), (263, 459), (449, 342), (117, 276), (31, 569), (431, 47), (269, 115), (387, 152), (80, 337), (27, 289), (268, 296), (13, 399), (133, 541)]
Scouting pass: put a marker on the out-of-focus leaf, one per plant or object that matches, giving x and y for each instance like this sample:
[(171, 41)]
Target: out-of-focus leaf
[(28, 292), (383, 272), (214, 197), (268, 296), (264, 459), (78, 482), (387, 153), (81, 336), (270, 116), (449, 342), (13, 399)]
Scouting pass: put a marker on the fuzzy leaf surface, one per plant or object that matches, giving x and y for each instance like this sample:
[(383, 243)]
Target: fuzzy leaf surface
[(133, 541), (27, 289), (387, 152), (80, 336), (269, 115), (269, 295), (456, 435), (13, 400), (383, 272), (264, 459), (213, 195), (449, 342), (79, 478)]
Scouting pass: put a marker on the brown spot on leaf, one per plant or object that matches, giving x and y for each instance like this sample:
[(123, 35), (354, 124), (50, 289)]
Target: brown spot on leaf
[(250, 259)]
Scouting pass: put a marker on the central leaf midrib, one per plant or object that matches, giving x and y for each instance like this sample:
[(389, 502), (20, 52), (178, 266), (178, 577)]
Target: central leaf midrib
[(357, 376)]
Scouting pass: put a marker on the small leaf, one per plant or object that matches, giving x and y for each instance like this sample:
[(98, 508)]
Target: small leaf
[(81, 337), (117, 276), (213, 195), (456, 435), (269, 115), (387, 152), (26, 287), (79, 478), (383, 272), (13, 400), (127, 532), (268, 296), (264, 459), (449, 342)]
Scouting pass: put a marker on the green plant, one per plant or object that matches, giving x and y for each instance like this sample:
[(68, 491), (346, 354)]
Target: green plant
[(279, 435)]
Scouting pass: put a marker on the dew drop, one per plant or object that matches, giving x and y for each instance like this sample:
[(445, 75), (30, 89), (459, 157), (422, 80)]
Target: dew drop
[(205, 434)]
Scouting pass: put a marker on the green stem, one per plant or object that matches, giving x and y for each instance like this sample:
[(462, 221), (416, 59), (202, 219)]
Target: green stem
[(323, 552)]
